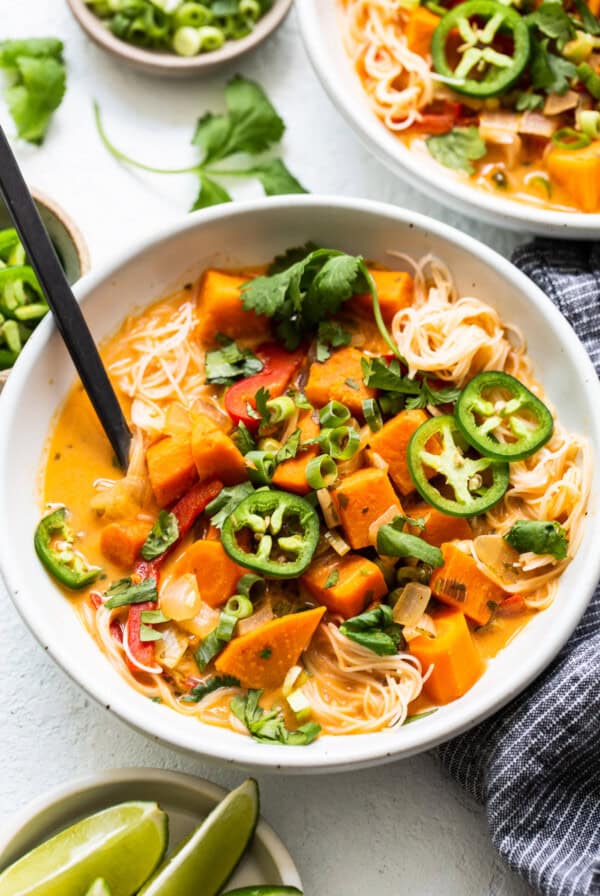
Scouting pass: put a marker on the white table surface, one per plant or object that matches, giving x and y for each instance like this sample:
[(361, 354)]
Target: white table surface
[(403, 828)]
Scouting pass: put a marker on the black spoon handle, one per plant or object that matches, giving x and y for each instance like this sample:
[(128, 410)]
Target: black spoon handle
[(67, 313)]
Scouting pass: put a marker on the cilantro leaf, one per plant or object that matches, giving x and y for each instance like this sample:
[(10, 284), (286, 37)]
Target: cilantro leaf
[(201, 690), (226, 502), (290, 257), (549, 72), (269, 726), (304, 293), (458, 148), (375, 630), (250, 125), (332, 579), (210, 193), (124, 592), (261, 398), (243, 438), (379, 374), (276, 179), (163, 534), (551, 19), (223, 366), (37, 83), (330, 335), (539, 537), (392, 542), (290, 447), (525, 101), (431, 396)]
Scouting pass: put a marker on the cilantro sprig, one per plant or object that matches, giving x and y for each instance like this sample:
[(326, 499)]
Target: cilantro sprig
[(539, 537), (458, 148), (251, 126), (404, 391), (37, 79), (225, 365)]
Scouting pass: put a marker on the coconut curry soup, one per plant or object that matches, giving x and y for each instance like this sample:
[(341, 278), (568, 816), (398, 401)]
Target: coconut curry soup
[(506, 96), (346, 492)]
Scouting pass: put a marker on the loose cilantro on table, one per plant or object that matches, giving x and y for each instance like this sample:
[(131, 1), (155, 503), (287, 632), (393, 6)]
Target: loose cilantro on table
[(458, 148), (37, 81), (251, 126), (269, 726), (229, 363)]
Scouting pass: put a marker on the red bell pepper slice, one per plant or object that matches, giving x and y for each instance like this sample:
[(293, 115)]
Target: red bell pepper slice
[(186, 511), (279, 368)]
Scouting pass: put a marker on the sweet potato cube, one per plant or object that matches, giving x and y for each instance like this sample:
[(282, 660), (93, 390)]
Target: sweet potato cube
[(216, 573), (171, 468), (217, 457), (461, 584), (354, 583), (453, 653), (391, 443), (121, 543), (262, 657), (221, 310), (291, 474), (578, 172), (360, 499), (395, 290), (419, 30), (440, 527), (339, 378)]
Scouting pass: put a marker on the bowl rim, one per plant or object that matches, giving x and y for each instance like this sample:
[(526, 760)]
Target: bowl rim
[(409, 166), (267, 836), (165, 62), (367, 750)]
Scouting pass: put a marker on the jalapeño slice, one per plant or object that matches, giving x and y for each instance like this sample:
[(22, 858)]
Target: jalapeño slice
[(495, 402), (462, 485), (274, 533), (477, 68)]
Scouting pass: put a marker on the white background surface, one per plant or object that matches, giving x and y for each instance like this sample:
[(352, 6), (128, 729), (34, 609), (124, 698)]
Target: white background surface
[(404, 828)]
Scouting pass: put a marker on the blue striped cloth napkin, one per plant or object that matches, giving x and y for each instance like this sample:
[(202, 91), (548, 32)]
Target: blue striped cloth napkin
[(536, 765)]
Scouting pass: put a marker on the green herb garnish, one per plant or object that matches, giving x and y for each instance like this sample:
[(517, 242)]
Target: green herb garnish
[(269, 727), (201, 690), (37, 83), (163, 534), (124, 592), (375, 630), (539, 537), (458, 148), (225, 365)]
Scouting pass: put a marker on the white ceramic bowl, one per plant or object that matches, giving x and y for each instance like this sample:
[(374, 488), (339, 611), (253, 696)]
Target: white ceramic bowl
[(186, 799), (170, 65), (320, 24), (241, 234)]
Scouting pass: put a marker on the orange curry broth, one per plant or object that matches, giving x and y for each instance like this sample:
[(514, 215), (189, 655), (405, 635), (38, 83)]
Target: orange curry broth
[(79, 454)]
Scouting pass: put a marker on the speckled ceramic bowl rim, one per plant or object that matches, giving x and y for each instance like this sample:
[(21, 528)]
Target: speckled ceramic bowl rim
[(342, 85), (162, 62), (359, 750), (122, 777)]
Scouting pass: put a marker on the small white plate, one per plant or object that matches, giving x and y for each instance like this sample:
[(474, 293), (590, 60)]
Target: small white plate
[(186, 799)]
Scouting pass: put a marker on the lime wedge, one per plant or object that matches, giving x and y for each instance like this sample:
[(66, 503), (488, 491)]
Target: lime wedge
[(265, 891), (99, 888), (205, 860), (122, 845)]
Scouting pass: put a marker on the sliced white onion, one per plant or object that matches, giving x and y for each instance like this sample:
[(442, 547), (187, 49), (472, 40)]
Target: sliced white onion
[(261, 617), (335, 540), (171, 648), (328, 509), (386, 517), (494, 552), (376, 460), (149, 670), (180, 598), (290, 680), (425, 626), (203, 622), (411, 604)]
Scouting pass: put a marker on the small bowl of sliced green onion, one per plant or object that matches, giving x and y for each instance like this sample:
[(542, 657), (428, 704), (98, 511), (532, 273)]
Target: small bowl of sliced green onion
[(178, 38), (22, 306)]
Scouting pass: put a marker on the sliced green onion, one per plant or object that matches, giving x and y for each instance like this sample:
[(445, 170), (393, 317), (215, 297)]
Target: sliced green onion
[(239, 606), (260, 466), (569, 138), (250, 8), (192, 14), (341, 443), (334, 414), (187, 41), (226, 626), (589, 121), (211, 38), (154, 616), (280, 409), (372, 414), (321, 471), (147, 633), (248, 582)]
